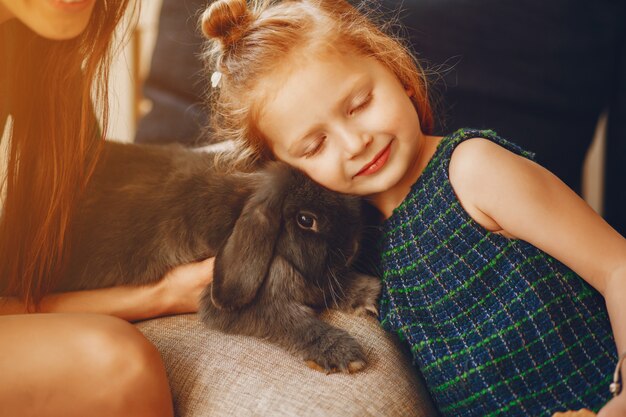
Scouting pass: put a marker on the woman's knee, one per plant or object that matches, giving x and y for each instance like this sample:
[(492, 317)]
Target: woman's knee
[(130, 368), (115, 346)]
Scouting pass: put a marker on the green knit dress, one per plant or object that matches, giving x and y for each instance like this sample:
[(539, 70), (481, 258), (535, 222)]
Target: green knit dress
[(496, 326)]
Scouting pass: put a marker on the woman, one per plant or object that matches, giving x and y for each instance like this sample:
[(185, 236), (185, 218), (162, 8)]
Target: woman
[(53, 59)]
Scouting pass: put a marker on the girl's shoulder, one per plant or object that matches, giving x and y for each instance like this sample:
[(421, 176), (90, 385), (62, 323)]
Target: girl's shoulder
[(479, 138), (477, 155), (470, 154), (478, 166)]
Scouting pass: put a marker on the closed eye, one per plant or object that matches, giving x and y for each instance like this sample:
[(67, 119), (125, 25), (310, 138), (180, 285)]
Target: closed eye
[(316, 147), (361, 105)]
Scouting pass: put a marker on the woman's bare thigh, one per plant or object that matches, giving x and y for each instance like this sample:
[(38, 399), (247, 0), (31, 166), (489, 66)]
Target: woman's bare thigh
[(77, 365)]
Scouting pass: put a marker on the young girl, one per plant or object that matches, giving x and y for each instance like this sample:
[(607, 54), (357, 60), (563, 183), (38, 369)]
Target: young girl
[(474, 231)]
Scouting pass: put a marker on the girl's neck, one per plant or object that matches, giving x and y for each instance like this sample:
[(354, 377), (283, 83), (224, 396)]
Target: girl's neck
[(387, 202)]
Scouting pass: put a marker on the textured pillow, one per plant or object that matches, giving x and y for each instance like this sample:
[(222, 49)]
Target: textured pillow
[(218, 375)]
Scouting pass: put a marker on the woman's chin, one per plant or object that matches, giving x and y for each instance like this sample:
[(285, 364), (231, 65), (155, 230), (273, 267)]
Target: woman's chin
[(61, 20), (61, 32)]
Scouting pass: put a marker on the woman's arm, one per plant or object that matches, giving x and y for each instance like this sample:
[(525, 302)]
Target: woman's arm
[(178, 292), (512, 195)]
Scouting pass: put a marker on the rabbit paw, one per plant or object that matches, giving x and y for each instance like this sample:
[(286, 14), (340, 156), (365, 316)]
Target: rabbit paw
[(362, 297), (367, 310), (341, 353)]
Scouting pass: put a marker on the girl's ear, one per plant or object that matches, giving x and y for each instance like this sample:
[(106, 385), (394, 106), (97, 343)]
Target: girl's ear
[(409, 91)]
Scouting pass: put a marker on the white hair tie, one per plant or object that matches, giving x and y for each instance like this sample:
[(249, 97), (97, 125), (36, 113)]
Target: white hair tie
[(215, 79)]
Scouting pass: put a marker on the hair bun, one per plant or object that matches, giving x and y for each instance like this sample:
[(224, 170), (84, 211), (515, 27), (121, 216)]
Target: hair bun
[(226, 20)]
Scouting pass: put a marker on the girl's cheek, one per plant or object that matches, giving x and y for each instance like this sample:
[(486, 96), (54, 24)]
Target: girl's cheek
[(323, 176)]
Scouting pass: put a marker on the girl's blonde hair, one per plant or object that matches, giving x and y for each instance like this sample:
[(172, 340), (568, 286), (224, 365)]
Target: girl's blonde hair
[(251, 39), (53, 144)]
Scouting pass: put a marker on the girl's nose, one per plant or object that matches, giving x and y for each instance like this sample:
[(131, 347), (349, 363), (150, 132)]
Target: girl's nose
[(355, 143)]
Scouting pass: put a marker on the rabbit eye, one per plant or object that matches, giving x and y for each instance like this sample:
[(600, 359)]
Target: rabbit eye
[(307, 221)]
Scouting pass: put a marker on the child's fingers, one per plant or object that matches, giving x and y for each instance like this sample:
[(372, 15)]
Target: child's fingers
[(580, 413)]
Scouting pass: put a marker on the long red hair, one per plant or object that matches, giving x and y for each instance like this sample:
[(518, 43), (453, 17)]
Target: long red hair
[(54, 143)]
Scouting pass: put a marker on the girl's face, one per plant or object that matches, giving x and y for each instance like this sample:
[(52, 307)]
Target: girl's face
[(346, 121), (52, 19)]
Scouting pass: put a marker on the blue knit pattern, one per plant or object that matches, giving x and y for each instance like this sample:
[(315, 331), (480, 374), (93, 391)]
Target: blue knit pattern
[(496, 326)]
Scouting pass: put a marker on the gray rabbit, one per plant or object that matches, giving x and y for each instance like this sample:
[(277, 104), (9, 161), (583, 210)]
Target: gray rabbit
[(283, 244)]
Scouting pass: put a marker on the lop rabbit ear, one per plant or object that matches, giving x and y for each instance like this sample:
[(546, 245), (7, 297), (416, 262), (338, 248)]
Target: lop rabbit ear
[(243, 262)]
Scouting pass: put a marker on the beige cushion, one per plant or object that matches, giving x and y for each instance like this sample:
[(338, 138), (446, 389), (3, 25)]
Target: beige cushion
[(213, 374)]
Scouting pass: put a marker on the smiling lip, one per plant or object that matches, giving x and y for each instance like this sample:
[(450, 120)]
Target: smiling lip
[(377, 163)]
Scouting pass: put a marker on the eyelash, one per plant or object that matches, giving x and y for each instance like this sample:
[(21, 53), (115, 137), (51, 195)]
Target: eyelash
[(318, 147), (320, 144), (361, 105)]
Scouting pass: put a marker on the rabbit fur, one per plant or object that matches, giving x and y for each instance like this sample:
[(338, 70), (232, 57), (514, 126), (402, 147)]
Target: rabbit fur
[(283, 244)]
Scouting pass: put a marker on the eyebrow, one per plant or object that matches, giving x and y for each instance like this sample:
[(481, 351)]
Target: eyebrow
[(356, 84)]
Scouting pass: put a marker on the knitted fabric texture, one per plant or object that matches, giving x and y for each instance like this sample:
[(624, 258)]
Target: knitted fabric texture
[(496, 326)]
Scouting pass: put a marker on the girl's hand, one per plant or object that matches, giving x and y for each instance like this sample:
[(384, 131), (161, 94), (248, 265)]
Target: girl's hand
[(614, 408), (180, 289), (580, 413)]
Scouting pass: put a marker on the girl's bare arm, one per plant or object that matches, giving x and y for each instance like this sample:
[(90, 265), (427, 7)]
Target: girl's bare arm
[(518, 198)]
